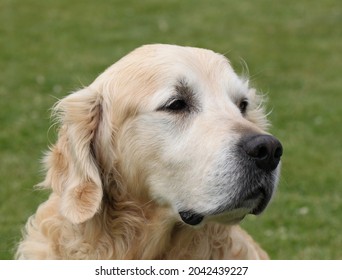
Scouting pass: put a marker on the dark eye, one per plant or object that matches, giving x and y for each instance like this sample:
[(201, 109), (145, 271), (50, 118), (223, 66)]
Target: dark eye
[(243, 106), (177, 105)]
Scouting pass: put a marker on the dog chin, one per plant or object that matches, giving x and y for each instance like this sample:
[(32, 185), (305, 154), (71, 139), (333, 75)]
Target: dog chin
[(228, 218)]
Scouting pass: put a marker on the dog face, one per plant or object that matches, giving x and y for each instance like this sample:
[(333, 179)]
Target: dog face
[(182, 129)]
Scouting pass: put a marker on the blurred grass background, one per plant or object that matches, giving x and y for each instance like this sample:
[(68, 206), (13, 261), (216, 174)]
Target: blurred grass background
[(293, 51)]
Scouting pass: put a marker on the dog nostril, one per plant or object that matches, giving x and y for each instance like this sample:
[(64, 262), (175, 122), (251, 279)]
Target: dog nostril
[(261, 152), (265, 150), (278, 152)]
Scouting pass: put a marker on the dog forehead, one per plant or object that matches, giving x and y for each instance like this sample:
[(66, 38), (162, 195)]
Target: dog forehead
[(169, 62), (209, 74), (151, 71), (164, 60), (180, 59), (195, 65)]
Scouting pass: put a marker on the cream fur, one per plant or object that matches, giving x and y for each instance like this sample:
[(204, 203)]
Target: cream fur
[(117, 174)]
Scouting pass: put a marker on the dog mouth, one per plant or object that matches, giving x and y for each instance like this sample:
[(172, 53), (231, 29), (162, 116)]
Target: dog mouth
[(254, 203), (191, 218)]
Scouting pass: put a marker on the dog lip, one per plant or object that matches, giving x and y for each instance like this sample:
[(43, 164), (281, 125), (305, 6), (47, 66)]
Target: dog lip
[(261, 196), (259, 208), (191, 218)]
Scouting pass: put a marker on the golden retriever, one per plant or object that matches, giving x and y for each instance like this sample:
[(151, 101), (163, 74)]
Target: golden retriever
[(159, 158)]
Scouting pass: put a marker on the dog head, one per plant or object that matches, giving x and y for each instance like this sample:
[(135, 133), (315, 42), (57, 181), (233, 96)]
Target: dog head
[(178, 126)]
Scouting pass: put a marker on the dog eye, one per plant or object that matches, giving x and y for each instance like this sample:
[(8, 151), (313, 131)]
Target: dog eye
[(177, 105), (243, 106)]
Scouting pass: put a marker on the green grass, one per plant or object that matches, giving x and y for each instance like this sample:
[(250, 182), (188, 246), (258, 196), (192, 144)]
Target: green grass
[(293, 50)]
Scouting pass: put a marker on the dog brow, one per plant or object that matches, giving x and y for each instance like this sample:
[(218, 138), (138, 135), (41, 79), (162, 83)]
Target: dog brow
[(184, 90)]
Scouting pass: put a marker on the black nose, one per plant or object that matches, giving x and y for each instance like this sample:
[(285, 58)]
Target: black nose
[(265, 150)]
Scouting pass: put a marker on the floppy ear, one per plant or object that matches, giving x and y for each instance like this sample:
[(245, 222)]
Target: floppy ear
[(73, 172)]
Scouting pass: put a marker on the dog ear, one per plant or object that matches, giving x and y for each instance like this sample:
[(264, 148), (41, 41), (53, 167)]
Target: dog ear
[(73, 171)]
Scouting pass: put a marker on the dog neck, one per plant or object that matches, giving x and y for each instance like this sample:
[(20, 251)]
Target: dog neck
[(137, 228), (144, 230)]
